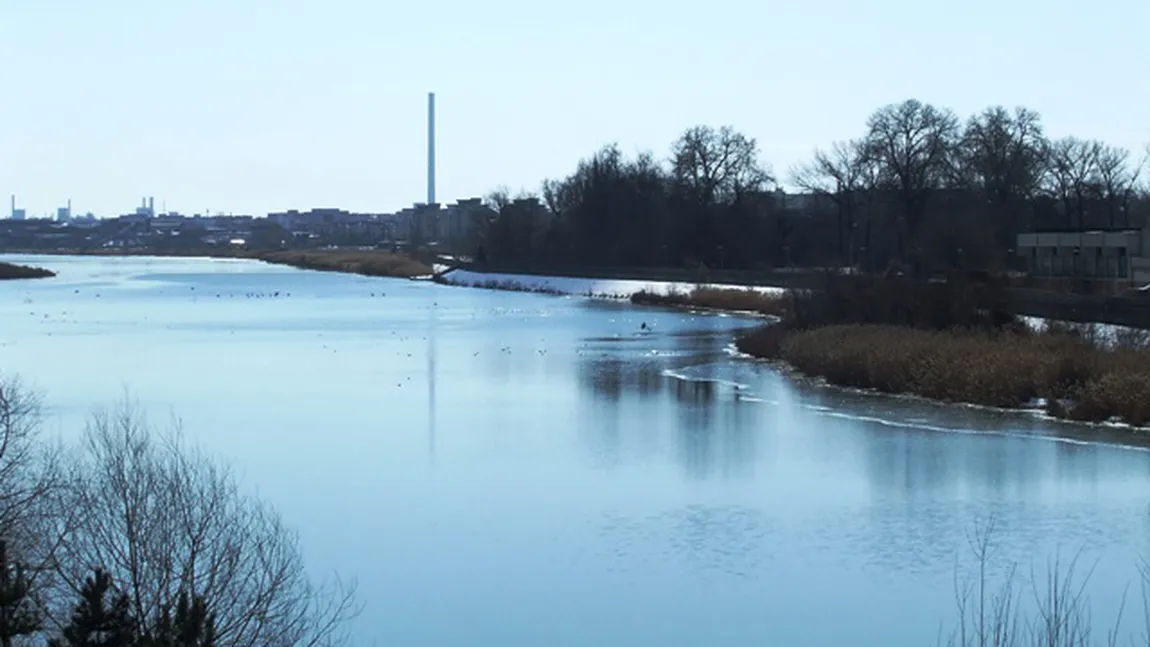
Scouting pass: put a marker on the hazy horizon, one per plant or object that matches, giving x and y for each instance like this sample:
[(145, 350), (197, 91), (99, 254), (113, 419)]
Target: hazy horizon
[(258, 106)]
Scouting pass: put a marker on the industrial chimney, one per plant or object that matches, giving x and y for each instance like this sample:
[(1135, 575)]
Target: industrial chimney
[(430, 148)]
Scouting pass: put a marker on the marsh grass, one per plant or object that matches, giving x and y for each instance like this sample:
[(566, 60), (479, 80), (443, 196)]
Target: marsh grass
[(365, 262), (958, 347), (1077, 379), (725, 299)]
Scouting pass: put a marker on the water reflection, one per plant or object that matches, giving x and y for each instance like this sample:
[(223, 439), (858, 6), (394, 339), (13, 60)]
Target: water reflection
[(432, 341), (672, 391), (918, 450)]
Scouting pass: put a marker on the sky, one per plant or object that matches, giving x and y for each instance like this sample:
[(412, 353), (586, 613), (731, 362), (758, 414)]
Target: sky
[(251, 106)]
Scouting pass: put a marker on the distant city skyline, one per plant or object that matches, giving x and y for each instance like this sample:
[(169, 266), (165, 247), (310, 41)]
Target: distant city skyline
[(259, 106)]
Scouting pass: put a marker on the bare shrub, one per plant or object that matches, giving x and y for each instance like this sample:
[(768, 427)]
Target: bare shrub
[(986, 615), (1131, 338), (899, 301), (163, 518), (32, 478), (990, 610)]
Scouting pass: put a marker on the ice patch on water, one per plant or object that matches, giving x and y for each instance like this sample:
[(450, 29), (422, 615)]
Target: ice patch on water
[(732, 350), (1002, 433), (606, 288), (683, 377)]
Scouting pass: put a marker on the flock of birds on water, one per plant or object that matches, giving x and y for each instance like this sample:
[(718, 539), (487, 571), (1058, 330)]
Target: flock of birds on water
[(586, 348), (645, 329)]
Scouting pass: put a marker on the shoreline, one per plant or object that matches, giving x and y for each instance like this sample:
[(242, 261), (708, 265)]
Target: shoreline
[(1053, 373), (1096, 408), (374, 262)]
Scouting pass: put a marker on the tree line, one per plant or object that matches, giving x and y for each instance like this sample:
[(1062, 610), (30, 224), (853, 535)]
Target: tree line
[(133, 538), (920, 188)]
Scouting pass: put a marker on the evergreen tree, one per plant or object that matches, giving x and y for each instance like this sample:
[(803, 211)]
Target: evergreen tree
[(96, 625), (18, 616), (192, 625)]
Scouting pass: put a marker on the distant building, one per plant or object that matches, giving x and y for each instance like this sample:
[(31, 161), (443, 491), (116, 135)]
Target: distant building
[(462, 222), (147, 208), (1121, 256), (169, 224)]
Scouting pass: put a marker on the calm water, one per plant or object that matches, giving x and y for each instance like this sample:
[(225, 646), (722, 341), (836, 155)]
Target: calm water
[(514, 469)]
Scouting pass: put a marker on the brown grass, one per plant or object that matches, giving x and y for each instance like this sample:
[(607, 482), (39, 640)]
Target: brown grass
[(11, 271), (366, 262), (516, 286), (726, 299), (1080, 380)]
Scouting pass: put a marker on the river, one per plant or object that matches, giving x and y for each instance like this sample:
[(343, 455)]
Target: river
[(500, 468)]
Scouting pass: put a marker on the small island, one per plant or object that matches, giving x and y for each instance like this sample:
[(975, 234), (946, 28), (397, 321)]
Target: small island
[(11, 271)]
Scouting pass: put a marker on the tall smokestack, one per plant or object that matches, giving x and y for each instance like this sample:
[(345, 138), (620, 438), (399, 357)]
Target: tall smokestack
[(430, 148), (13, 212)]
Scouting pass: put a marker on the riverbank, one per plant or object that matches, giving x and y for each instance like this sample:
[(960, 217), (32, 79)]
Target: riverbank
[(1132, 309), (368, 262), (777, 278), (1071, 377), (9, 271)]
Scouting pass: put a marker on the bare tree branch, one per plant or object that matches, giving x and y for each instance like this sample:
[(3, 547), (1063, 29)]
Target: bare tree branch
[(163, 518), (717, 166), (914, 145)]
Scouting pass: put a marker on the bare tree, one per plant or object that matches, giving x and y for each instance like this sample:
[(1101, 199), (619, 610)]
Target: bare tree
[(163, 519), (839, 175), (554, 195), (1003, 154), (913, 143), (33, 519), (717, 166), (1071, 169), (20, 456), (498, 198), (1115, 181)]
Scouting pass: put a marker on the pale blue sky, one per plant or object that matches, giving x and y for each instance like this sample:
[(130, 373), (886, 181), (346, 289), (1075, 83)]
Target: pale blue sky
[(256, 105)]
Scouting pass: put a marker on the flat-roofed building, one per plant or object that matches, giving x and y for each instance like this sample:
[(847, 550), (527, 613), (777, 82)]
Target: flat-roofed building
[(1121, 256)]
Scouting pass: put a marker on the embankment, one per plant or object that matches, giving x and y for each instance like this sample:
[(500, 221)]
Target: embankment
[(11, 271)]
